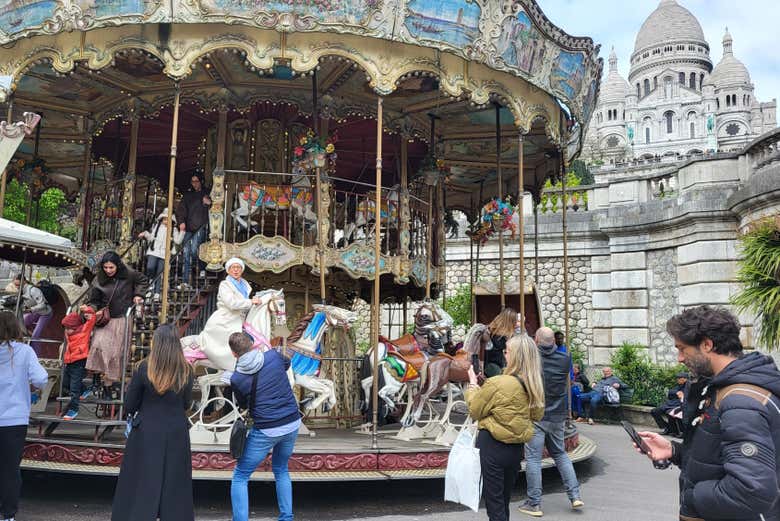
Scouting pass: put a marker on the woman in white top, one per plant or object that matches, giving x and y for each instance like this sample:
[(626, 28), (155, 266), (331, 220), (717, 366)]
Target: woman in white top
[(155, 255), (234, 301)]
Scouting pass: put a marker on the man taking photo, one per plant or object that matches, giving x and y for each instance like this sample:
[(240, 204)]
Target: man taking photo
[(728, 459)]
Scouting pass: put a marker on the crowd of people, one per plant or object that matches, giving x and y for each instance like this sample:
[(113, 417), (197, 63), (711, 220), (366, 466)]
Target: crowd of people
[(726, 408)]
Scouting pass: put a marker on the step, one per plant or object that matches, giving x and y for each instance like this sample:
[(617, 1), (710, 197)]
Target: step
[(91, 401), (53, 418)]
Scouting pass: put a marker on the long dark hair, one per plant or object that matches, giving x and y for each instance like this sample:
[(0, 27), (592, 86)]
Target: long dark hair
[(114, 258), (10, 330), (167, 369)]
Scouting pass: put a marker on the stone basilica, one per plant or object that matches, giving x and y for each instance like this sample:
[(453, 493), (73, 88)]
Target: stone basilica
[(674, 102)]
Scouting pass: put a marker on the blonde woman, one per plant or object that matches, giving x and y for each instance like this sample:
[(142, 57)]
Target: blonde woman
[(501, 329), (505, 408)]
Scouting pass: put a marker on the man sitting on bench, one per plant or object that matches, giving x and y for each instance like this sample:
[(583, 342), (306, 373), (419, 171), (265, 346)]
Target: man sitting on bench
[(668, 414), (604, 391)]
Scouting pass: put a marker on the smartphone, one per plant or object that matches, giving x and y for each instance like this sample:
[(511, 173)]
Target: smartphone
[(635, 437)]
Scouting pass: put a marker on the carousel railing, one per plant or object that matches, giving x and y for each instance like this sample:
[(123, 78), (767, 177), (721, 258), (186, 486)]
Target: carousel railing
[(419, 227), (352, 218)]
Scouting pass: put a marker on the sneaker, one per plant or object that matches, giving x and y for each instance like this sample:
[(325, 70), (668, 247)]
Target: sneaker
[(70, 415), (87, 393), (577, 503), (531, 510)]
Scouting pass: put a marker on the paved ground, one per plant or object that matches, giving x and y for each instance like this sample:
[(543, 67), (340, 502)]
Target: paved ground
[(617, 484)]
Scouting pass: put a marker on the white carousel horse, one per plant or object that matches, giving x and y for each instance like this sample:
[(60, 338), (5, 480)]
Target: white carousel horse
[(365, 214), (272, 306), (306, 344), (298, 197)]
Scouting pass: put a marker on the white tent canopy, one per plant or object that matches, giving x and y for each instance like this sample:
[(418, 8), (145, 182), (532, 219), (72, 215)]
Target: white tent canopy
[(42, 248)]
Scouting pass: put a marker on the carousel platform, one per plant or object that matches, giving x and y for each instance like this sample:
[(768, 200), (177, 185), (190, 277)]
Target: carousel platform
[(330, 455)]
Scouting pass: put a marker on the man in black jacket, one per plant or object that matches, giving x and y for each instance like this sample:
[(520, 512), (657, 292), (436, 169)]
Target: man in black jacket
[(674, 398), (549, 431), (729, 457), (192, 214)]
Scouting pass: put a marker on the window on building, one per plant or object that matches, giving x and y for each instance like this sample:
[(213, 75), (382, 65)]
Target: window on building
[(692, 83), (647, 135), (733, 100), (638, 90), (655, 82), (693, 130), (647, 86), (681, 78), (668, 116), (728, 100), (717, 103), (668, 87)]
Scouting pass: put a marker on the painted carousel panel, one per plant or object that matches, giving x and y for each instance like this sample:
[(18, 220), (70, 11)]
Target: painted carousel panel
[(455, 23), (269, 12)]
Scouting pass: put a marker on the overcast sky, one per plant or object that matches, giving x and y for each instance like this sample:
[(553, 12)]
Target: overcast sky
[(754, 25)]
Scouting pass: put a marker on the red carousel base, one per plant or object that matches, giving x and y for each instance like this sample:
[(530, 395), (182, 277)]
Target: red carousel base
[(331, 455)]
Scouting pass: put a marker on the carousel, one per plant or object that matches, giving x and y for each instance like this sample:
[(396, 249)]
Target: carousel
[(334, 137)]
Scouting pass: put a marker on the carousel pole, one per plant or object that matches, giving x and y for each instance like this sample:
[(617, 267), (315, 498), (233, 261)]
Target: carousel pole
[(128, 197), (429, 227), (565, 268), (35, 156), (375, 326), (85, 192), (471, 273), (536, 244), (171, 188), (4, 178), (322, 215), (500, 199), (521, 222)]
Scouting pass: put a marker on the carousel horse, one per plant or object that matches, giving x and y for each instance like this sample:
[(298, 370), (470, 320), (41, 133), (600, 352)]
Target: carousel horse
[(365, 214), (402, 360), (273, 306), (253, 196), (305, 343)]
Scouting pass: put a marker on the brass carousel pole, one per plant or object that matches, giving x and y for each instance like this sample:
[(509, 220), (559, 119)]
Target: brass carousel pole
[(536, 244), (565, 264), (500, 199), (321, 215), (429, 244), (171, 187), (521, 222), (4, 179), (375, 326)]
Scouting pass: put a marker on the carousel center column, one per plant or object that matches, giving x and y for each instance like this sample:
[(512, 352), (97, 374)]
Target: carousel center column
[(128, 194), (211, 251)]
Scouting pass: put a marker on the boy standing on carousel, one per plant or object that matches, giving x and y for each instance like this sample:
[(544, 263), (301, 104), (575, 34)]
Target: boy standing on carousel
[(78, 331)]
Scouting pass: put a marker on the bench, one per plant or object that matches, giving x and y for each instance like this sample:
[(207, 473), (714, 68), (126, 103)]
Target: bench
[(614, 411)]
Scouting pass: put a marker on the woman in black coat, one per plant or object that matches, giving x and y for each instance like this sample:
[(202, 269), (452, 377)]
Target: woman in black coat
[(116, 287), (155, 480)]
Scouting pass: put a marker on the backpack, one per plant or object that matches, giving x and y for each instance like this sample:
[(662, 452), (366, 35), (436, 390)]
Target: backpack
[(49, 291), (611, 395)]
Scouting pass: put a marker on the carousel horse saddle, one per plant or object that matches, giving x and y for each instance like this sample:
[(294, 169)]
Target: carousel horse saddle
[(404, 345), (406, 367)]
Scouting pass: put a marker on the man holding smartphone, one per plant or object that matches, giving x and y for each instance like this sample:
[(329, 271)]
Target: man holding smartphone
[(729, 458)]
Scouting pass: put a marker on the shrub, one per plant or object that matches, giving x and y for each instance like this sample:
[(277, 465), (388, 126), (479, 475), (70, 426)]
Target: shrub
[(649, 381), (458, 306)]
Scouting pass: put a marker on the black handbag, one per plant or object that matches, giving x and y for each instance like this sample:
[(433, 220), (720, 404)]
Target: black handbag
[(240, 430)]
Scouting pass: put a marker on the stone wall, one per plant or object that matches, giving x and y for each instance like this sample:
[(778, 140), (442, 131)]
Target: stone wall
[(664, 297)]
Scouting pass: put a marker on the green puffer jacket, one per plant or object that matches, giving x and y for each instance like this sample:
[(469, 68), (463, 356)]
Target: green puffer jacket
[(501, 406)]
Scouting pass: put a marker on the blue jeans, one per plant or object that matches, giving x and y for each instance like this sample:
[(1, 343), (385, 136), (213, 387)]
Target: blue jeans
[(576, 400), (191, 250), (154, 266), (72, 381), (548, 434), (591, 401), (257, 447)]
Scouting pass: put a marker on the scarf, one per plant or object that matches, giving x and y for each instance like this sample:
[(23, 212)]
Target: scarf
[(241, 285)]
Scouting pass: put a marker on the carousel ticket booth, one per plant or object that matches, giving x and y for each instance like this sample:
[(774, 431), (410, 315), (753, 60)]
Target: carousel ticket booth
[(332, 137)]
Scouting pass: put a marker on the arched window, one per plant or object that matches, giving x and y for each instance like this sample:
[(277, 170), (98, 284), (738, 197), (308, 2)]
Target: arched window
[(655, 82), (692, 83), (638, 90), (668, 116), (681, 78), (717, 103), (693, 130), (647, 86), (728, 100), (701, 80), (733, 100), (668, 87), (647, 135)]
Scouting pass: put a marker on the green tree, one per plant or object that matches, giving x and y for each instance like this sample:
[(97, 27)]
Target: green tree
[(759, 274), (582, 172), (48, 210), (459, 305)]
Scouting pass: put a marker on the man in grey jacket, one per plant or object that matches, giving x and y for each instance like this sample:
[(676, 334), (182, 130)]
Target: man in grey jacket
[(549, 431)]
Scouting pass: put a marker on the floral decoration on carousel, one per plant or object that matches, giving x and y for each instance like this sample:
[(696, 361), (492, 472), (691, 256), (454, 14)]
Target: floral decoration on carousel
[(313, 151), (496, 215)]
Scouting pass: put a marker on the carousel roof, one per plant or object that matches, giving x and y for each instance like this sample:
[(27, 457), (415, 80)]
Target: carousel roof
[(41, 248), (452, 61)]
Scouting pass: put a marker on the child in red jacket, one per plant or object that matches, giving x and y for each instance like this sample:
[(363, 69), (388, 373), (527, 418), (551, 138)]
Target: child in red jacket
[(78, 329)]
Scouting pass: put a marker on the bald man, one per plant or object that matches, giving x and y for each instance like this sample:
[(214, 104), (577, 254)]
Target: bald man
[(549, 431)]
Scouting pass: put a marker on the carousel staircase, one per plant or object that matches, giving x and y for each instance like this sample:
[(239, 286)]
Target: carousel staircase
[(189, 306)]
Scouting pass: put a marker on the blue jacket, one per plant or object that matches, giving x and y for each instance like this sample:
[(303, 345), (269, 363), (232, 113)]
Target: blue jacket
[(19, 367), (729, 459), (275, 404)]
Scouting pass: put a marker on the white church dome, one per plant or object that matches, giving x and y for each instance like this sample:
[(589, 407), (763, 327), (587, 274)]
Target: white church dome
[(729, 72), (614, 88), (670, 22)]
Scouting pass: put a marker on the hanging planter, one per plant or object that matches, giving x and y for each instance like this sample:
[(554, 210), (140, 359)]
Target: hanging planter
[(314, 151), (495, 216)]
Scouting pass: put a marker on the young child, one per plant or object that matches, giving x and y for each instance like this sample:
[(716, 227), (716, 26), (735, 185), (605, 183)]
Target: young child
[(77, 332)]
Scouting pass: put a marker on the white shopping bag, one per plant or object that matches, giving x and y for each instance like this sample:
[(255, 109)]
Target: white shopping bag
[(463, 481)]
